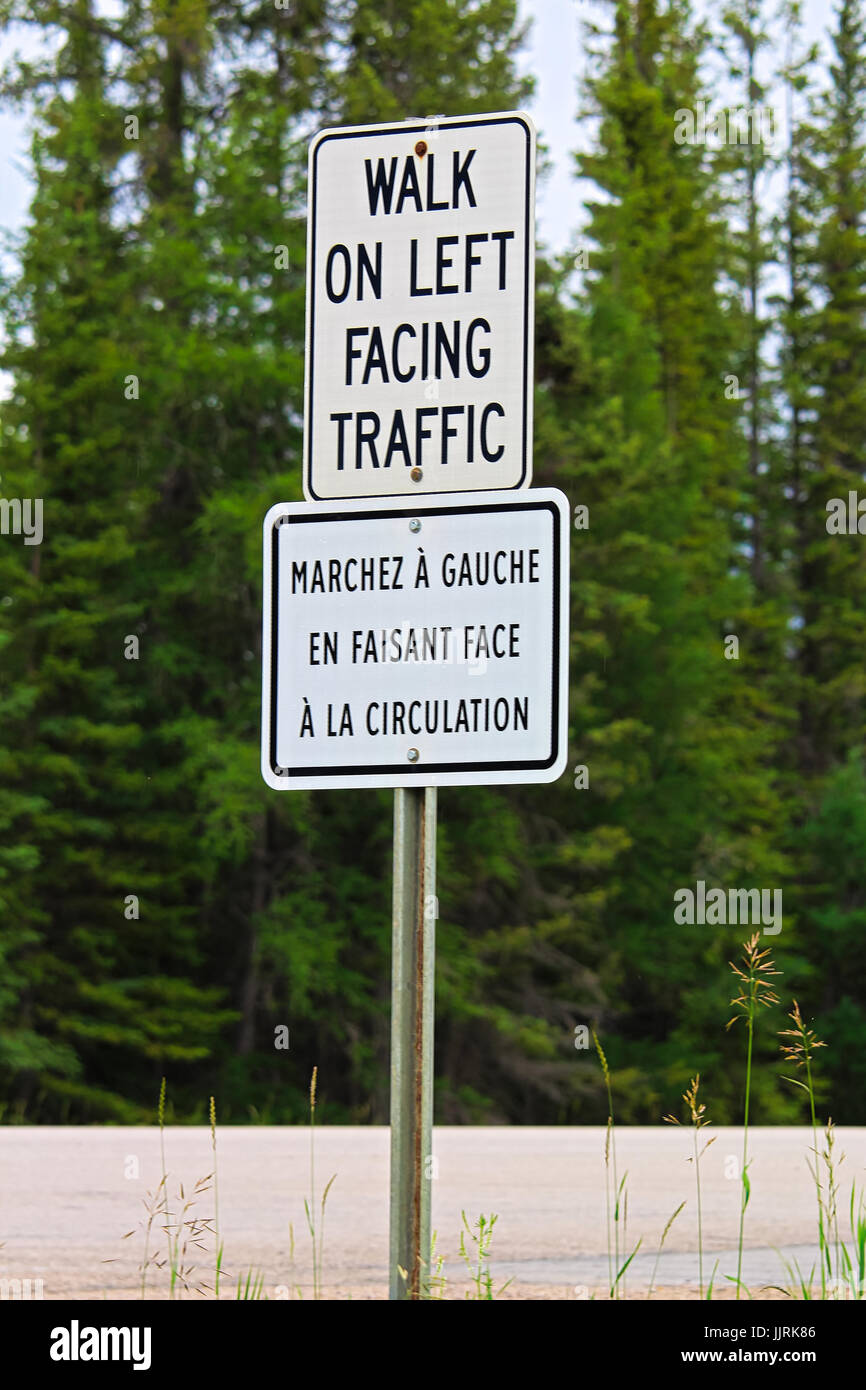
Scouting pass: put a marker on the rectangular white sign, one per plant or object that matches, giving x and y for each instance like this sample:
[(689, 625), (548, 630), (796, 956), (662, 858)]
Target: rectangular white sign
[(420, 295), (421, 643)]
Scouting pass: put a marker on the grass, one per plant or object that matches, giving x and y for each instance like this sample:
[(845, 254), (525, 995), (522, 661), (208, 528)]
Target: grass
[(216, 1206), (755, 994), (616, 1272), (478, 1258), (699, 1121), (841, 1267), (434, 1287), (857, 1267), (310, 1206), (841, 1261), (833, 1245), (186, 1234), (800, 1053), (671, 1220), (850, 1264), (252, 1289), (616, 1248)]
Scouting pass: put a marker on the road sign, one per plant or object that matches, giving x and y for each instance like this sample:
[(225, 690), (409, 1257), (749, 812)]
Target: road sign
[(420, 278), (416, 644)]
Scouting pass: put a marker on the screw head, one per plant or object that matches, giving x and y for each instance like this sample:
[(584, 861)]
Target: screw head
[(416, 475), (421, 148), (413, 755), (414, 525)]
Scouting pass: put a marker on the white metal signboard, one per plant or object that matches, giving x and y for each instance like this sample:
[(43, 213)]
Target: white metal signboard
[(420, 295), (416, 643)]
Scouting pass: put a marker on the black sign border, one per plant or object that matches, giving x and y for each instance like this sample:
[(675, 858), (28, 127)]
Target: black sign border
[(528, 270), (414, 772)]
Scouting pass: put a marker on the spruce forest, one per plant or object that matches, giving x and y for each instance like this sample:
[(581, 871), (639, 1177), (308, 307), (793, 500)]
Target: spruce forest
[(700, 393)]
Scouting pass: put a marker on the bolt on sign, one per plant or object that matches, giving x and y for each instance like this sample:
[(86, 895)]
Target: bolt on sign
[(420, 302), (420, 642)]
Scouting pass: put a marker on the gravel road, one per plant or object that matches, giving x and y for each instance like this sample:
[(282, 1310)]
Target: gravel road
[(68, 1195)]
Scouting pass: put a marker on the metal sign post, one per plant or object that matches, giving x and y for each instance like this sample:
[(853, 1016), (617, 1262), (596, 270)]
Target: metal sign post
[(415, 629), (415, 645), (412, 992)]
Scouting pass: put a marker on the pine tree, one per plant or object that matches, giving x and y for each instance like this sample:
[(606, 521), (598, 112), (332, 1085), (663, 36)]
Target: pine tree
[(667, 727), (832, 566), (108, 962), (429, 57), (185, 323)]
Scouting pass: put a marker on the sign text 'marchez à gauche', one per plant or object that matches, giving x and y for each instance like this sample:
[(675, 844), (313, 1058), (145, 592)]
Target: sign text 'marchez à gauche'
[(420, 308), (418, 643)]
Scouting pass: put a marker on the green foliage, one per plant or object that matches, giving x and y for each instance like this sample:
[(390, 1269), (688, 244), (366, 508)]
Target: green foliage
[(154, 328)]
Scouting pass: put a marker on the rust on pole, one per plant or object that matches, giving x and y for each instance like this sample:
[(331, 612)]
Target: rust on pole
[(413, 967)]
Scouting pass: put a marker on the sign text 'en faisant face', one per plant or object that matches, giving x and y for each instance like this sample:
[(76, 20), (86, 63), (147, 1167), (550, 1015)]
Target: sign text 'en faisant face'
[(419, 644)]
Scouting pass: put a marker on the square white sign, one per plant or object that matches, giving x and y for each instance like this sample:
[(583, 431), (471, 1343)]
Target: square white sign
[(420, 303), (416, 643)]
